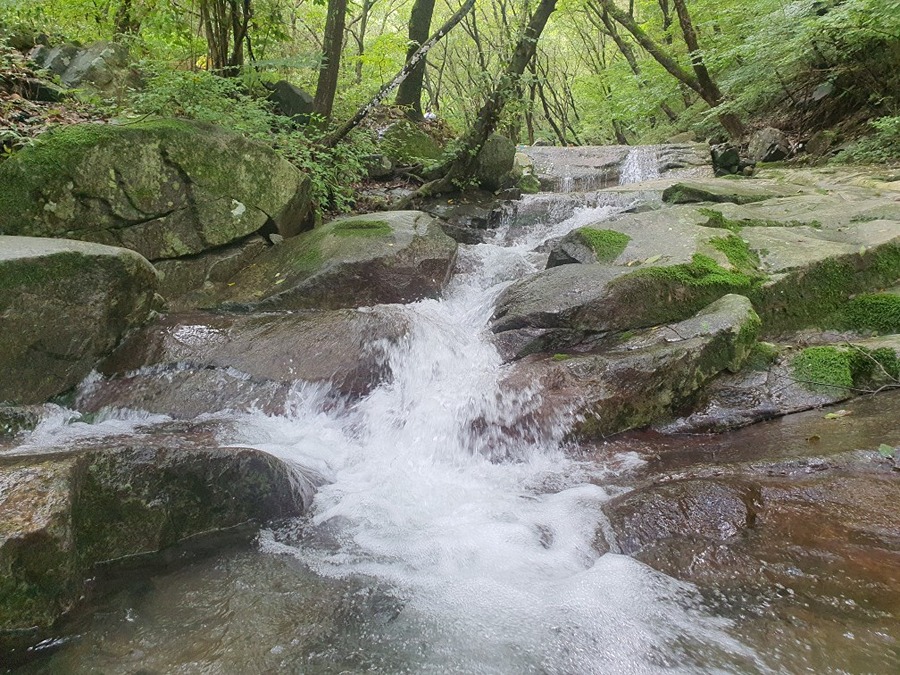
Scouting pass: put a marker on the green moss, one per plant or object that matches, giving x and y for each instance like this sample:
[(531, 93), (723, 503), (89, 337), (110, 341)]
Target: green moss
[(561, 357), (826, 369), (762, 355), (718, 220), (823, 369), (529, 184), (29, 272), (738, 252), (607, 245), (703, 272), (818, 294), (361, 228), (879, 312), (405, 143)]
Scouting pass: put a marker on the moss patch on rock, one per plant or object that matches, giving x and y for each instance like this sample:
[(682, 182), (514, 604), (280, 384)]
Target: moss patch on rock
[(719, 220), (701, 272), (361, 228), (879, 312), (825, 369), (738, 253), (607, 245), (814, 295)]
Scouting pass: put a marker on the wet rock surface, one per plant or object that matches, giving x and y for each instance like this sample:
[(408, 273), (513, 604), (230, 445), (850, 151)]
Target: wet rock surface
[(69, 512), (63, 306), (787, 522), (185, 365), (396, 256), (594, 167), (643, 378)]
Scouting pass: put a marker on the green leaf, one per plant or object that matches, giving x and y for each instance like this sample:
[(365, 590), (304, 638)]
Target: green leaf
[(885, 450)]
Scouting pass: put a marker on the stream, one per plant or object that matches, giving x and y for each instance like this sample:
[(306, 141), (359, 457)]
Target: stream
[(449, 532)]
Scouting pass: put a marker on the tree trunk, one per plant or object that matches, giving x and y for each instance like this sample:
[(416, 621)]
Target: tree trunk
[(461, 167), (705, 88), (410, 65), (409, 95), (326, 88), (225, 24), (711, 92)]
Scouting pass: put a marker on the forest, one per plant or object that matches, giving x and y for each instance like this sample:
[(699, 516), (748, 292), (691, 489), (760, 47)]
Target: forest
[(449, 336), (825, 72)]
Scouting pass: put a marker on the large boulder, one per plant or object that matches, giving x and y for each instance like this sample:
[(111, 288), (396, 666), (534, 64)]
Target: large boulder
[(396, 256), (799, 259), (63, 306), (404, 143), (65, 514), (494, 164), (291, 101), (165, 188), (105, 66), (732, 190), (645, 377), (185, 365), (768, 145)]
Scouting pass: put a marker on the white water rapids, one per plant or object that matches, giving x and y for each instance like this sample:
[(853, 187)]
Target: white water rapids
[(483, 539), (492, 559)]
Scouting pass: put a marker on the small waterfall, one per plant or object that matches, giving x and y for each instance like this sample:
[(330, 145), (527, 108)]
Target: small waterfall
[(641, 164), (479, 525)]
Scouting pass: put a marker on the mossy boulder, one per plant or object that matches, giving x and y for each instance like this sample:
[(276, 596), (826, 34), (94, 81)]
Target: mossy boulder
[(797, 270), (164, 188), (184, 365), (785, 378), (63, 306), (494, 164), (646, 376), (588, 245), (404, 143), (65, 514), (734, 190), (396, 256), (568, 304)]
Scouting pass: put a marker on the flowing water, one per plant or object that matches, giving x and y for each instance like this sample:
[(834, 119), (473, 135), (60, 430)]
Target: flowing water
[(438, 541)]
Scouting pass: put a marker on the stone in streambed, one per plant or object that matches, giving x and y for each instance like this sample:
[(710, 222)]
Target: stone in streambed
[(63, 306), (780, 380), (647, 376), (376, 258), (736, 191), (185, 365), (65, 514)]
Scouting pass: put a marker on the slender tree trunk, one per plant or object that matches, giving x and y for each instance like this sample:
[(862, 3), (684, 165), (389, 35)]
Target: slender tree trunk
[(326, 87), (410, 65), (710, 90), (225, 24), (409, 94), (125, 22), (461, 167), (711, 95)]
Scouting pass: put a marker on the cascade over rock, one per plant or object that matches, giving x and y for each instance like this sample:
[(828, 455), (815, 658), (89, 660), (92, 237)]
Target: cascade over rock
[(241, 362), (63, 306), (593, 167)]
